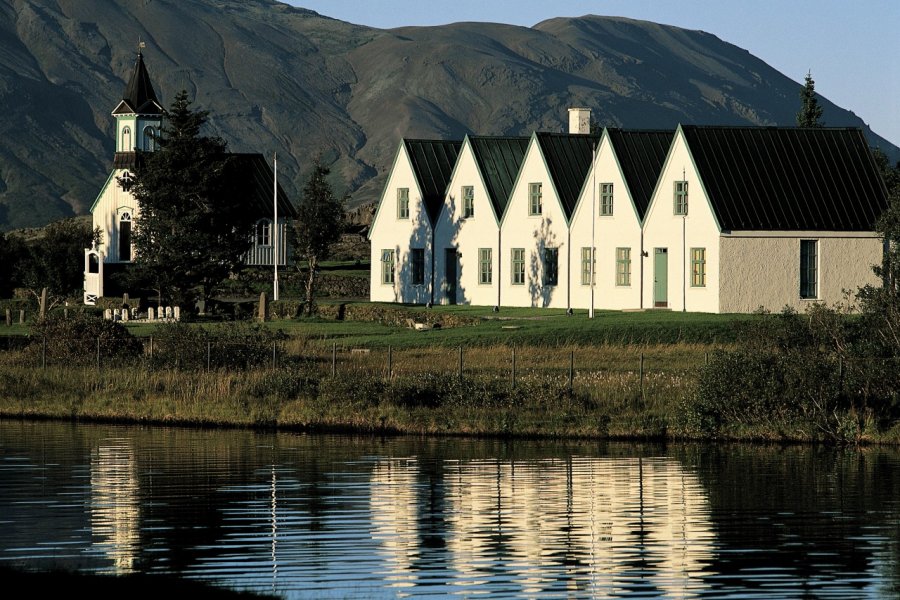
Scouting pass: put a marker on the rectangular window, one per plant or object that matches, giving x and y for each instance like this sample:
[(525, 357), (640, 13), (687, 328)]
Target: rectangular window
[(698, 267), (551, 266), (468, 196), (535, 199), (387, 267), (485, 266), (518, 266), (606, 199), (262, 233), (681, 197), (623, 266), (809, 272), (587, 267), (418, 266), (402, 203)]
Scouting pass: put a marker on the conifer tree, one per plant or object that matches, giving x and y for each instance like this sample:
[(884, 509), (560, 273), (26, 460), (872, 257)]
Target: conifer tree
[(810, 114)]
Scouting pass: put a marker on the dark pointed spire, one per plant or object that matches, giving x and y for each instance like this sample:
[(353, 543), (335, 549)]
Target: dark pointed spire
[(139, 96)]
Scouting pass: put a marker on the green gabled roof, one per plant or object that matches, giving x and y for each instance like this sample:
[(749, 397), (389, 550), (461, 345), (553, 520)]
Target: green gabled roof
[(641, 155), (788, 178), (568, 158), (432, 163), (499, 160)]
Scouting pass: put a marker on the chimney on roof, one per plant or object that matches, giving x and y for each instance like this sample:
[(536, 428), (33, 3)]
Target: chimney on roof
[(580, 121)]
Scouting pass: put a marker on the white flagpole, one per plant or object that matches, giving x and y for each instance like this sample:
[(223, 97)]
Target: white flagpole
[(593, 221), (275, 225)]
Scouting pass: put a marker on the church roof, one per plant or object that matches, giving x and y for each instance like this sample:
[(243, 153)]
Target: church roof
[(139, 97), (788, 178), (499, 160)]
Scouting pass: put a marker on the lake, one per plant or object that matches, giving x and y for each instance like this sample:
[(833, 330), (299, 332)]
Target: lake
[(326, 516)]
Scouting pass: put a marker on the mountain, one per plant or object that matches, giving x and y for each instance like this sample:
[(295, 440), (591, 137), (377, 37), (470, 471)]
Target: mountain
[(276, 78)]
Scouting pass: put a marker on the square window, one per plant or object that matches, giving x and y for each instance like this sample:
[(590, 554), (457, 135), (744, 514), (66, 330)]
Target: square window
[(468, 195), (535, 199), (402, 203), (681, 197), (606, 199)]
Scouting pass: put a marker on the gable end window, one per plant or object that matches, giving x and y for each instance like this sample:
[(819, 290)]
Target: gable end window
[(468, 195), (551, 266), (681, 198), (809, 272), (402, 203), (535, 199), (418, 266), (518, 266), (698, 267), (485, 266), (387, 267), (606, 199)]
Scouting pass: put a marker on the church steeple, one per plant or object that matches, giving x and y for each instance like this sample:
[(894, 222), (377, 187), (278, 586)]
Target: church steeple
[(139, 114)]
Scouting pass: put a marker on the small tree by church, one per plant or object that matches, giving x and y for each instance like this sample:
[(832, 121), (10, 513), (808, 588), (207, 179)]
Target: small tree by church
[(810, 114), (320, 216), (192, 231)]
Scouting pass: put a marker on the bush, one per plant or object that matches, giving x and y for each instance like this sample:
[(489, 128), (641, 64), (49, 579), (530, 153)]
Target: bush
[(232, 346), (74, 340)]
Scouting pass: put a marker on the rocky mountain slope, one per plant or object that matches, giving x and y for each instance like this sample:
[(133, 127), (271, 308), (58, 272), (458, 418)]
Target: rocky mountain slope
[(279, 78)]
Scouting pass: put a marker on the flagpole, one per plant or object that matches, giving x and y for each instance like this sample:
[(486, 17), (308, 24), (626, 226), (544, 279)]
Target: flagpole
[(275, 225), (593, 221)]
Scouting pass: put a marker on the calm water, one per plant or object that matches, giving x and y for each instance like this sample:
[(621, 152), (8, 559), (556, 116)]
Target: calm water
[(347, 517)]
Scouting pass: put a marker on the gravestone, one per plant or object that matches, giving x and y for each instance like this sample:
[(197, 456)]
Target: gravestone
[(151, 314), (177, 313), (8, 318), (107, 314)]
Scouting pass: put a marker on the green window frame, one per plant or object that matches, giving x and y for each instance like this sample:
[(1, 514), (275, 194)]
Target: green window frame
[(809, 269), (551, 266), (517, 273), (606, 199), (468, 196), (698, 267), (535, 199), (417, 258), (681, 198), (402, 203), (623, 267), (587, 261), (485, 266), (387, 267)]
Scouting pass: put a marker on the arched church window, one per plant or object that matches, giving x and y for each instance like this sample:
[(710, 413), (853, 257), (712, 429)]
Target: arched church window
[(126, 140), (263, 232), (93, 263), (149, 142), (125, 237)]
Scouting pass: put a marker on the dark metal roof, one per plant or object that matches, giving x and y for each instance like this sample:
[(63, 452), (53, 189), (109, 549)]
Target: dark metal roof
[(499, 160), (139, 96), (774, 178), (256, 168), (433, 162), (125, 160), (641, 154), (568, 158)]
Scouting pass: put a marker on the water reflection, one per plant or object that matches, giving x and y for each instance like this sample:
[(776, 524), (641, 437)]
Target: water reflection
[(320, 516)]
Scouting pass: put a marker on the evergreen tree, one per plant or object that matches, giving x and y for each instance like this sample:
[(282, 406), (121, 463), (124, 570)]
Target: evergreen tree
[(320, 217), (192, 230), (810, 114)]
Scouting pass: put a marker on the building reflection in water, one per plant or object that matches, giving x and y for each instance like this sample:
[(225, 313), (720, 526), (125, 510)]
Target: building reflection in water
[(115, 504), (590, 526)]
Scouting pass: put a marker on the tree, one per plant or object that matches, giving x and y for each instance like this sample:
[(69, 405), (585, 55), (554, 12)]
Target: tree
[(192, 230), (320, 216), (810, 114)]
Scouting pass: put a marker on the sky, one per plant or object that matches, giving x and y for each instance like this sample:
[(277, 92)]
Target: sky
[(852, 48)]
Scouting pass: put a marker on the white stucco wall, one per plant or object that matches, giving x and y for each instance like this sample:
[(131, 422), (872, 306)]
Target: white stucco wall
[(533, 233), (468, 236), (390, 232), (621, 230), (664, 229), (109, 205), (762, 269)]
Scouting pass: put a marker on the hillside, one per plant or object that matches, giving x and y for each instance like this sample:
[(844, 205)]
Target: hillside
[(279, 78)]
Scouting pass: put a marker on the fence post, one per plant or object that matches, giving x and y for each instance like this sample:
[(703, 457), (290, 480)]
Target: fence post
[(98, 353), (208, 355), (44, 352), (514, 367), (641, 372), (571, 370), (151, 349), (460, 364), (274, 354), (707, 358), (333, 359), (390, 370)]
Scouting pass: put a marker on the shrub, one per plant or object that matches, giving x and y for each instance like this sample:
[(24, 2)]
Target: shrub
[(233, 346), (75, 340)]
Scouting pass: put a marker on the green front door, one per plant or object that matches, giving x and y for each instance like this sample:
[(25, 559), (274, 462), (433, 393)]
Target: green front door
[(661, 277)]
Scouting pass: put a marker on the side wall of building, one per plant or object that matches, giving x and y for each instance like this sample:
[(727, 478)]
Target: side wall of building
[(762, 269), (112, 206)]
